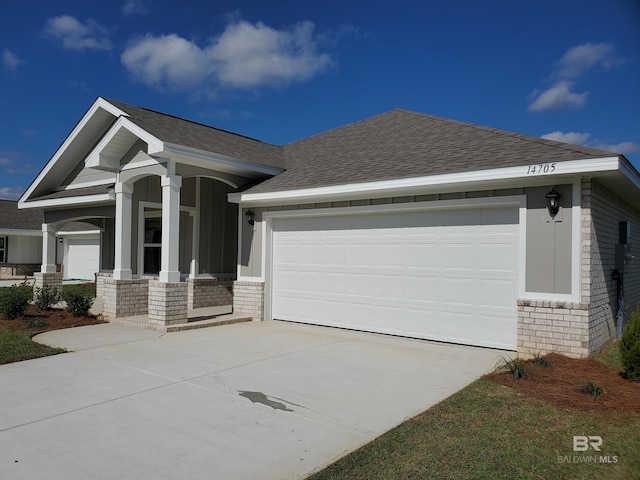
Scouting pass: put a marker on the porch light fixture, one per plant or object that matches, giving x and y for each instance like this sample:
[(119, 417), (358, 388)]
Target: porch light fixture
[(250, 217), (553, 201)]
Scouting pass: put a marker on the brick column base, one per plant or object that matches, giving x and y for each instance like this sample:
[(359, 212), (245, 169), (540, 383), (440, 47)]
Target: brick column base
[(167, 303), (123, 298), (50, 280), (248, 298)]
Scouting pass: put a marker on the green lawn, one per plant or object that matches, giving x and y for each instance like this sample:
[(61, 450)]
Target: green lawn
[(489, 431), (17, 346)]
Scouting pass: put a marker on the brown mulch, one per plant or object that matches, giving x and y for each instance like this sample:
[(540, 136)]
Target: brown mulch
[(55, 319), (561, 383)]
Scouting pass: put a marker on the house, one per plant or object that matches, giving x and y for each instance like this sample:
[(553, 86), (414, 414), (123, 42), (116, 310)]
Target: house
[(78, 245), (403, 223)]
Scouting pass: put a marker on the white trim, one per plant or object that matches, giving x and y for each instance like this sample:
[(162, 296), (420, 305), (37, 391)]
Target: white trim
[(232, 163), (406, 185), (93, 160), (78, 234), (576, 256), (145, 163), (99, 103), (142, 204), (94, 183), (18, 232), (518, 201), (54, 202)]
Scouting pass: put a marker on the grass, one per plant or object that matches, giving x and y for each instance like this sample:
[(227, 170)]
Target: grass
[(489, 431), (17, 346)]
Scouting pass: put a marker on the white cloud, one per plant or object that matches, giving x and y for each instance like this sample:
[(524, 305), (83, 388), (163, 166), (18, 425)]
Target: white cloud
[(11, 193), (623, 148), (4, 161), (573, 64), (10, 60), (559, 96), (581, 139), (134, 7), (243, 56), (581, 58), (569, 137), (75, 35)]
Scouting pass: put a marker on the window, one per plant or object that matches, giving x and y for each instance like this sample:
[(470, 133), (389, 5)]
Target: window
[(3, 249), (152, 245)]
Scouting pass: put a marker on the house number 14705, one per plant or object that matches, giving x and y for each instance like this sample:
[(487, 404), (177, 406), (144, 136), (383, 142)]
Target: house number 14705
[(541, 168)]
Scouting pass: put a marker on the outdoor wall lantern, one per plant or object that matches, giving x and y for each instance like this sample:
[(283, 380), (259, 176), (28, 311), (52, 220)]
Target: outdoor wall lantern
[(250, 217), (553, 201)]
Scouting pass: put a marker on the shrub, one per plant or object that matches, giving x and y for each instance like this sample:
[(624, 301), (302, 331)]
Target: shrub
[(77, 303), (592, 389), (630, 347), (37, 322), (516, 366), (14, 300), (45, 297)]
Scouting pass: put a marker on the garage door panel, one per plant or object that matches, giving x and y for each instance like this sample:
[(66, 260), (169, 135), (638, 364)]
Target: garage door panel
[(445, 275), (82, 258)]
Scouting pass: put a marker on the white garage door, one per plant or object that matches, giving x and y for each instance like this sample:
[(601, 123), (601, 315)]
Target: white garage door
[(82, 257), (448, 275)]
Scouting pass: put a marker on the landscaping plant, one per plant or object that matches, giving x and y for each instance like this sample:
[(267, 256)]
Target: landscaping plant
[(77, 303), (630, 347), (14, 300), (45, 297)]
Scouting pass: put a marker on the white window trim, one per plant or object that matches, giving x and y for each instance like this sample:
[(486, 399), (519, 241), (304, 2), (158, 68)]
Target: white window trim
[(141, 216)]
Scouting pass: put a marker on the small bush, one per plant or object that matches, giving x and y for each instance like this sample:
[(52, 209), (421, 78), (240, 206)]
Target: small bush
[(78, 304), (14, 300), (516, 366), (37, 322), (45, 297), (592, 389), (630, 347), (539, 360)]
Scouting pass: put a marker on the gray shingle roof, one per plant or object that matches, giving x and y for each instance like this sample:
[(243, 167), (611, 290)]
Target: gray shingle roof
[(403, 144), (76, 192), (12, 218), (196, 135)]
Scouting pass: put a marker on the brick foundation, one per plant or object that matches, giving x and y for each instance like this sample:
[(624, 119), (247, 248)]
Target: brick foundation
[(123, 298), (248, 298), (209, 292), (549, 326), (167, 303)]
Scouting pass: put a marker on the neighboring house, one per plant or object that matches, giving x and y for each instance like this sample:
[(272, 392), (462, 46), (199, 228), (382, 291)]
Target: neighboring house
[(21, 244), (402, 223), (20, 240)]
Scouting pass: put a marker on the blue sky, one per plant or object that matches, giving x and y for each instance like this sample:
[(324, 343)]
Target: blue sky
[(282, 70)]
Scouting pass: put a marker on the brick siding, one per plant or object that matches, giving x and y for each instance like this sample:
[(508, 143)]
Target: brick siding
[(167, 303), (124, 298), (209, 292), (248, 298)]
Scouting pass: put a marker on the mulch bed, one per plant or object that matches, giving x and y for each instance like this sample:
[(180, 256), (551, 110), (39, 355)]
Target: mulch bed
[(54, 319), (562, 382)]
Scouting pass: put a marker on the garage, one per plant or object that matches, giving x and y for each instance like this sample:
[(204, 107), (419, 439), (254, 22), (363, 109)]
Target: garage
[(447, 274), (82, 256)]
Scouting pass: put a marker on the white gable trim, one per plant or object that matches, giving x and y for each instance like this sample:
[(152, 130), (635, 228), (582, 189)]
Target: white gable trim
[(544, 173), (99, 103), (56, 202)]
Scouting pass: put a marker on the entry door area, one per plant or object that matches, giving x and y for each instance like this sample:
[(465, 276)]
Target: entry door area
[(448, 275)]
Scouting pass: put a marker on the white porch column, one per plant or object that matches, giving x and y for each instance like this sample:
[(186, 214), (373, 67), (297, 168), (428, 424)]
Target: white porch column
[(122, 267), (48, 249), (194, 266), (169, 271)]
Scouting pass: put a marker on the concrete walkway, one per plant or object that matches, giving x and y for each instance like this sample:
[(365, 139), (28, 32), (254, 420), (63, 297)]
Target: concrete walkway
[(268, 400)]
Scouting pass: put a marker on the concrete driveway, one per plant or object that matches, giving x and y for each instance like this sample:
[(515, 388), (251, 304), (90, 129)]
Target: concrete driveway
[(268, 400)]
